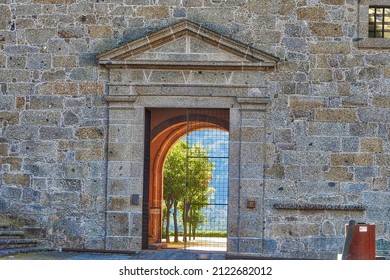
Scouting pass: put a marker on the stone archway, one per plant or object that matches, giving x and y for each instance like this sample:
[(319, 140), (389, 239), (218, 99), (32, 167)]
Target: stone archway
[(183, 66), (169, 126)]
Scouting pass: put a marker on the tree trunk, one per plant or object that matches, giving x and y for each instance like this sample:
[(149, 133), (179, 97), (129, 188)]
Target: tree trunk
[(189, 230), (167, 228), (168, 217), (185, 219), (175, 221), (193, 232)]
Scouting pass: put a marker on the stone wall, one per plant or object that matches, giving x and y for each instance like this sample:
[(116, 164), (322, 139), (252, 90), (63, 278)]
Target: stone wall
[(327, 124)]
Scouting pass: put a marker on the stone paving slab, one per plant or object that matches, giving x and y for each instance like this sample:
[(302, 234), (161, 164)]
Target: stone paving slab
[(143, 255)]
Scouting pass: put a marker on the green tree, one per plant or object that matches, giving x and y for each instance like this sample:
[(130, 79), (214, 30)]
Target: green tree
[(187, 177), (174, 183)]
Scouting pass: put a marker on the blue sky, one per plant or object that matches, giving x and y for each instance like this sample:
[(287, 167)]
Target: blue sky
[(217, 144)]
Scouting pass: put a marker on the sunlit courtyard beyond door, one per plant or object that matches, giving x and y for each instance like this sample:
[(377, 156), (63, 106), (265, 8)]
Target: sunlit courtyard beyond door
[(195, 191)]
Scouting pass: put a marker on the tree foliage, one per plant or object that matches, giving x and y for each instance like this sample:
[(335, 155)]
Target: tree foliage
[(187, 178)]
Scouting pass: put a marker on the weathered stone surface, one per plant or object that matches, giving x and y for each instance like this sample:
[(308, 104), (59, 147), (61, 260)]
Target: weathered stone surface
[(328, 229), (54, 1), (286, 7), (326, 29), (50, 133), (3, 61), (306, 103), (3, 149), (369, 73), (39, 61), (376, 198), (311, 13), (9, 118), (82, 74), (339, 174), (294, 230), (333, 2), (275, 171), (5, 20), (41, 118), (15, 179), (318, 143), (16, 62), (381, 101), (374, 115), (382, 159), (326, 243), (7, 103), (100, 31), (328, 129), (89, 155), (119, 204), (118, 224), (64, 88), (21, 132), (11, 193), (348, 159), (329, 48), (46, 102), (387, 73), (91, 88), (153, 12), (70, 118), (15, 163), (320, 136), (371, 144), (39, 36), (67, 185), (64, 61), (336, 115), (53, 75), (90, 133)]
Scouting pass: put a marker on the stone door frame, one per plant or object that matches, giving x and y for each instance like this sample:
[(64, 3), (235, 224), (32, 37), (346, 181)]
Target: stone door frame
[(185, 66), (126, 159)]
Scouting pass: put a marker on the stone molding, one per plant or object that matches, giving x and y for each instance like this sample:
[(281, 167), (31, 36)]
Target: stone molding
[(254, 103), (311, 206), (187, 90), (121, 98)]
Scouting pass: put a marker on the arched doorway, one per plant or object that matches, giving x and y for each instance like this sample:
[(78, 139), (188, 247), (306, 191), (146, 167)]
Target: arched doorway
[(167, 127), (184, 65)]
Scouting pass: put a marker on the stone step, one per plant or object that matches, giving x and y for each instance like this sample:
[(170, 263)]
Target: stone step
[(4, 226), (157, 246), (34, 232), (18, 243), (7, 234), (13, 251)]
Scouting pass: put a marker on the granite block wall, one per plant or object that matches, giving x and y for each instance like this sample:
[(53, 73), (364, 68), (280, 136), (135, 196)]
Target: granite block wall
[(327, 123)]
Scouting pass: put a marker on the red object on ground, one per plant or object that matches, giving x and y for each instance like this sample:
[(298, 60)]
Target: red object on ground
[(363, 246)]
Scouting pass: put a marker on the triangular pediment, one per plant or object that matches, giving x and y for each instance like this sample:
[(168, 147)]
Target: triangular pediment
[(187, 45)]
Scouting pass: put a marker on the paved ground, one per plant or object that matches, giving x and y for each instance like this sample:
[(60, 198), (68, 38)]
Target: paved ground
[(166, 254)]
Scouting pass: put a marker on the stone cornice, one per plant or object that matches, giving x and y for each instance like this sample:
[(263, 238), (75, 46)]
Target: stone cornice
[(254, 103), (121, 98), (188, 65), (311, 206)]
